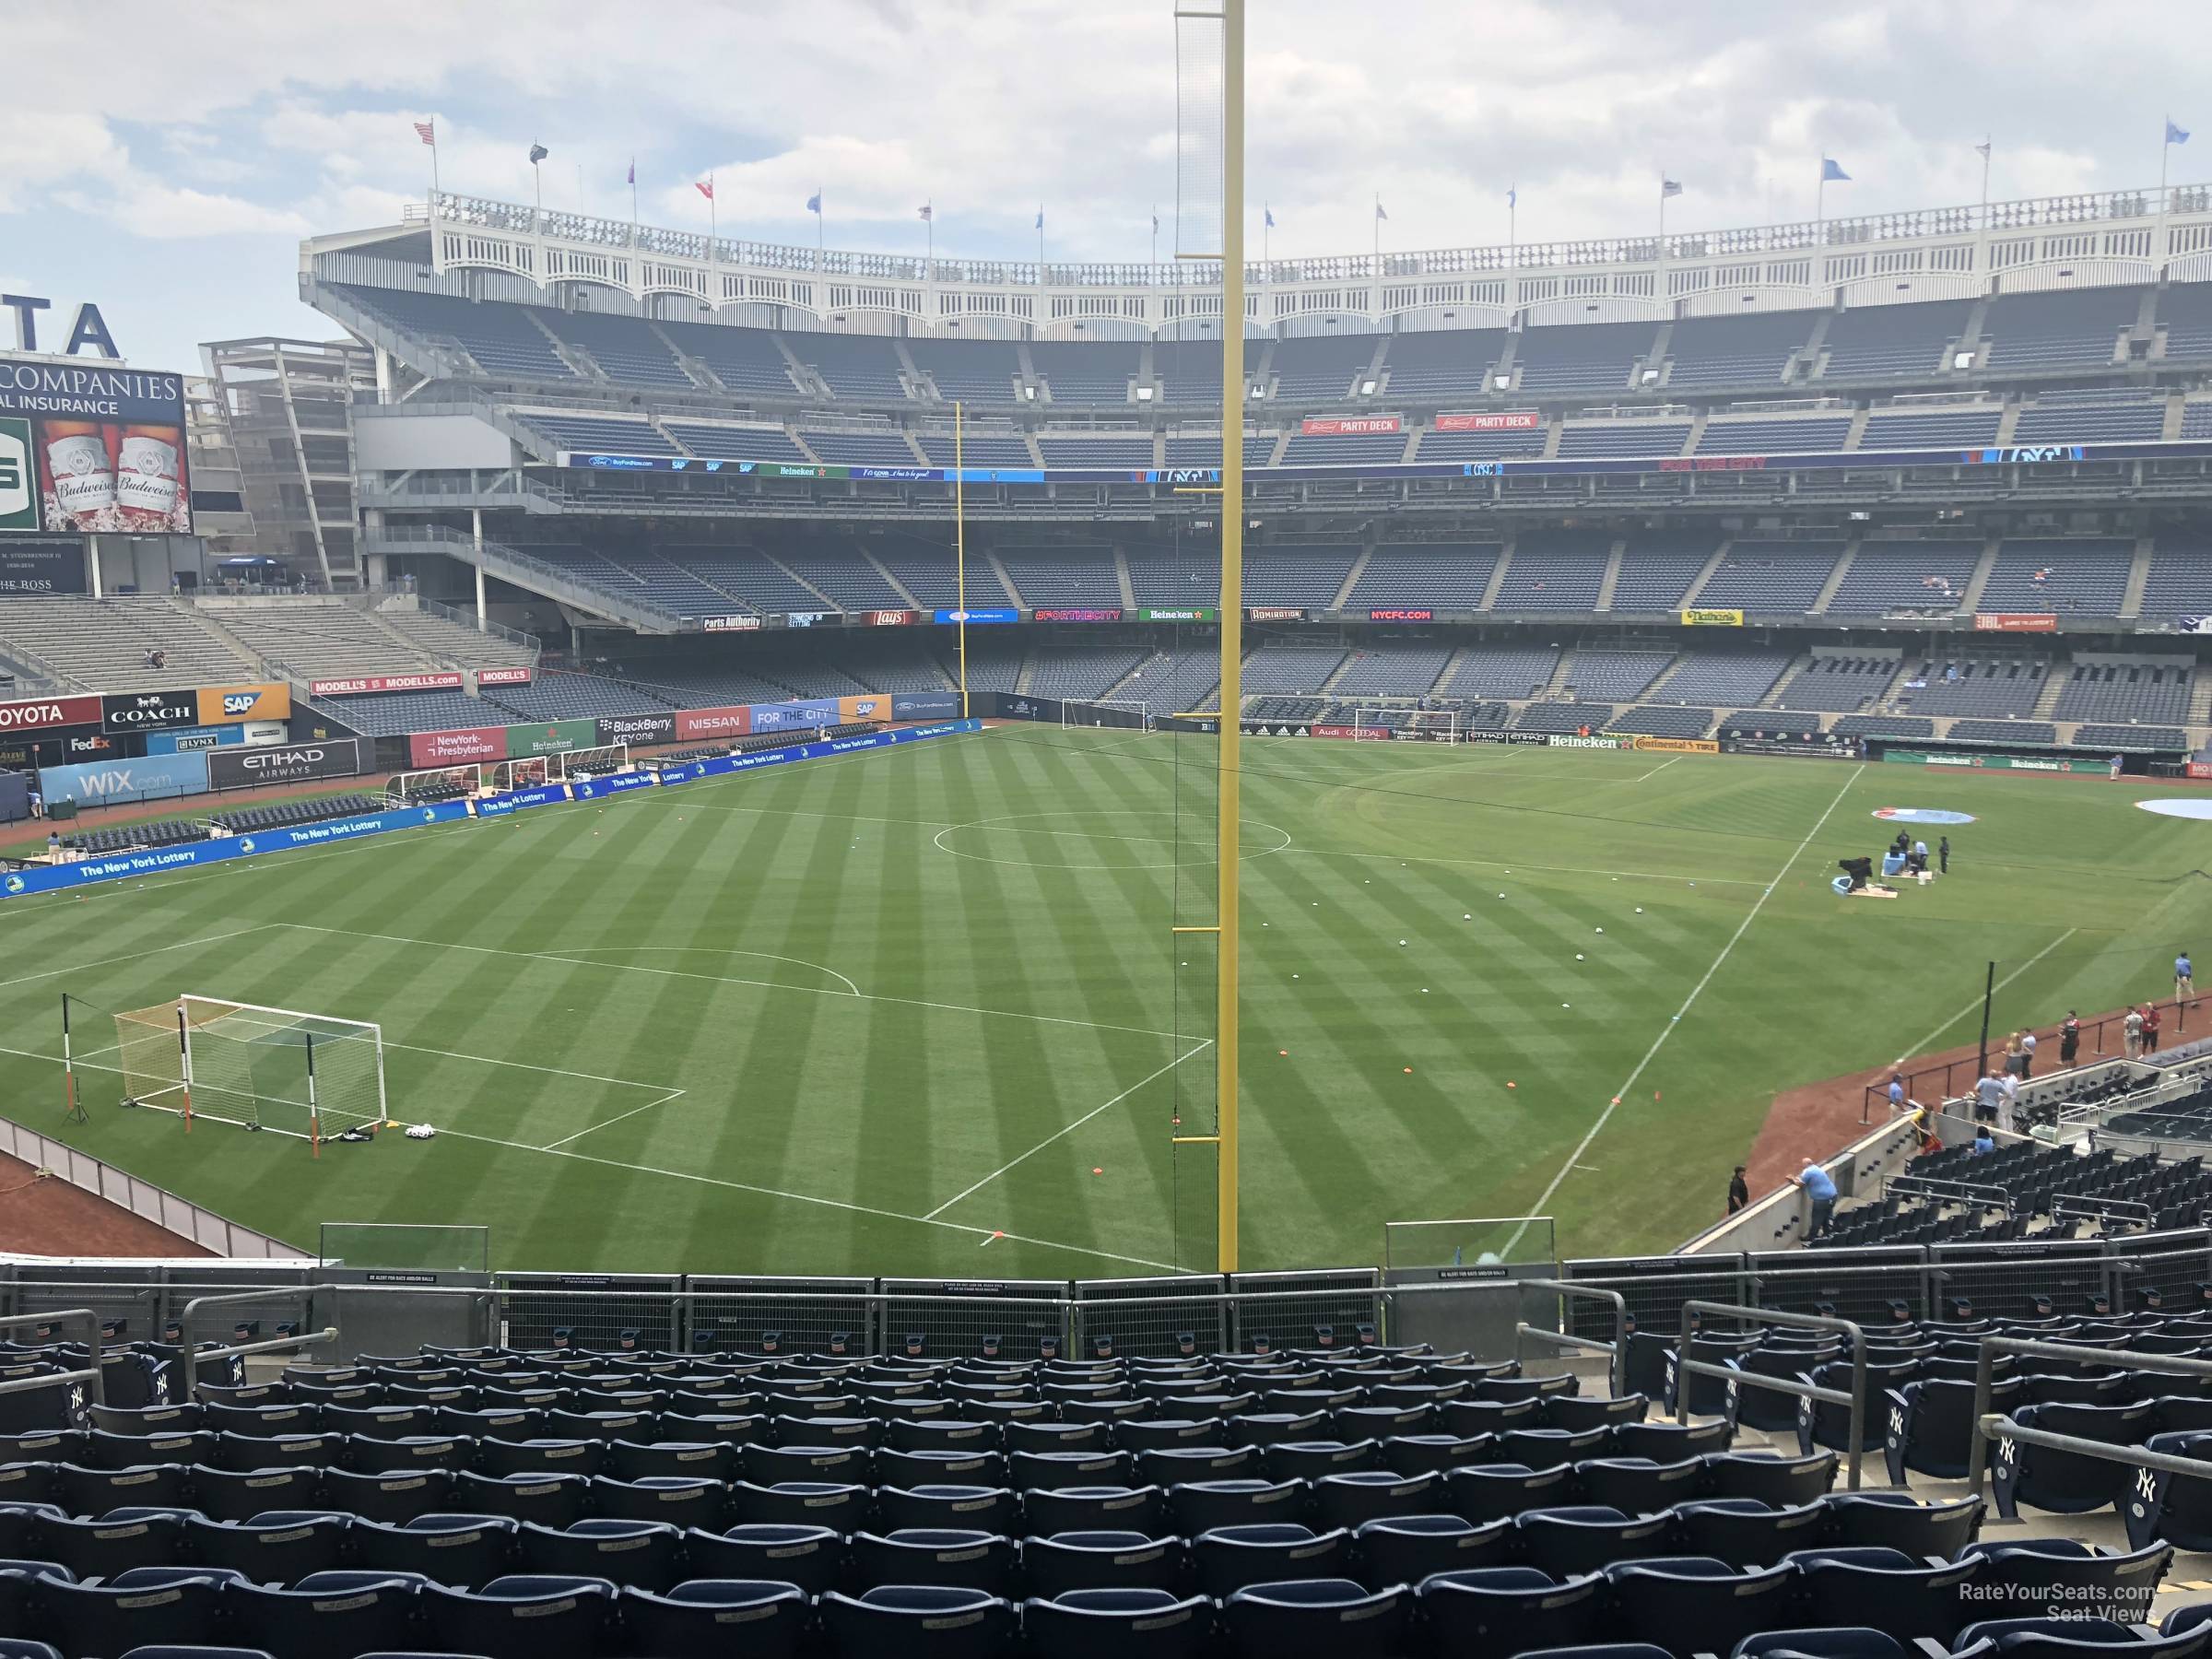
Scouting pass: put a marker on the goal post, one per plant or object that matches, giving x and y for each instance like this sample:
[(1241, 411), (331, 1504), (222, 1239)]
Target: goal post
[(1124, 715), (438, 784), (311, 1076)]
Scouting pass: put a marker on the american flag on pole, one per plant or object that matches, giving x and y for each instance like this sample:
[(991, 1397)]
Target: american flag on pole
[(705, 187), (427, 132)]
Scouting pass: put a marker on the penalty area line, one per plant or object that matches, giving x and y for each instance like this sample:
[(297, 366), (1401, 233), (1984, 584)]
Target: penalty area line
[(1696, 991)]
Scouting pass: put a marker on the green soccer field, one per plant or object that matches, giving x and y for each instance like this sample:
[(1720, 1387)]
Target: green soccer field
[(919, 1012)]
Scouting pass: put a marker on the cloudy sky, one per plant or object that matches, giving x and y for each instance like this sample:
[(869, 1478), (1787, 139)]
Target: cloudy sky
[(167, 165)]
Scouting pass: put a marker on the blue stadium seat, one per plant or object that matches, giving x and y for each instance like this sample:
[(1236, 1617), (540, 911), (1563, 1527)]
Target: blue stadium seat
[(1228, 1557), (2119, 1586), (1587, 1537), (1696, 1605), (450, 1549), (956, 1557), (1101, 1560), (1096, 1508), (705, 1618), (922, 1621), (1832, 1641), (1106, 1623), (1901, 1521), (1903, 1594), (811, 1556), (1316, 1618), (109, 1619), (1745, 1530), (327, 1613), (1509, 1610), (272, 1547), (643, 1553), (2073, 1639), (522, 1616), (1405, 1549)]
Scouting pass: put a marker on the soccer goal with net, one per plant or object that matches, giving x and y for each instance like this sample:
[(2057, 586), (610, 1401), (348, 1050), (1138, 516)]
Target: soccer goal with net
[(313, 1075), (1127, 716)]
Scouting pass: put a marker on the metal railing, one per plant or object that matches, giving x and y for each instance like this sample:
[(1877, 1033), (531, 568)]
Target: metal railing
[(1977, 1455), (1855, 1398), (194, 1356), (96, 1382), (1615, 1351)]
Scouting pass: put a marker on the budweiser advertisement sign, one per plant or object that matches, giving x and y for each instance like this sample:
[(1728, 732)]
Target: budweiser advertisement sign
[(2016, 622), (503, 677), (1505, 420), (449, 680), (44, 714), (1349, 426), (714, 722)]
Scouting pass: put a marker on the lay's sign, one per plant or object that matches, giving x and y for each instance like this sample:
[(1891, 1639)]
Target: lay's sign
[(229, 705)]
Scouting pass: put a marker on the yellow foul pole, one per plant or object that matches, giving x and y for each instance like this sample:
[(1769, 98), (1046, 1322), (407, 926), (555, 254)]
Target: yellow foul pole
[(1232, 612), (960, 544)]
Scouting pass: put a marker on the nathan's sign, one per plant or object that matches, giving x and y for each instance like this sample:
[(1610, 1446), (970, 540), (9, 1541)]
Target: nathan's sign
[(1349, 426), (1712, 618), (363, 684), (1506, 421)]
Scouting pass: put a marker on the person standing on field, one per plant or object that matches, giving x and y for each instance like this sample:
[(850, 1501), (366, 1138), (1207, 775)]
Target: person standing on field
[(2117, 763), (2069, 1038), (1896, 1092), (2151, 1029), (2026, 1055), (2131, 1031), (1943, 857), (1740, 1190), (2185, 976)]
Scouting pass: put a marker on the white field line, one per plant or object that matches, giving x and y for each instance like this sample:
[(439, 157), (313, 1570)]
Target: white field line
[(715, 1180), (1653, 773), (1070, 1129), (1499, 863), (721, 979), (236, 933), (674, 1094), (1922, 1046), (1697, 990), (765, 955), (837, 1204)]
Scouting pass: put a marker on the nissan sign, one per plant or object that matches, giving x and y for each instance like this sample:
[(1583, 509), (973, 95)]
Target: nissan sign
[(248, 768), (149, 711)]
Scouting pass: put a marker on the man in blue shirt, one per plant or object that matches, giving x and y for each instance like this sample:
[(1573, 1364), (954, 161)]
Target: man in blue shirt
[(2184, 975), (1821, 1190), (1897, 1093)]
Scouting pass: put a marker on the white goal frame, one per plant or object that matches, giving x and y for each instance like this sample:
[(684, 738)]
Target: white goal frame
[(1071, 711), (156, 1046)]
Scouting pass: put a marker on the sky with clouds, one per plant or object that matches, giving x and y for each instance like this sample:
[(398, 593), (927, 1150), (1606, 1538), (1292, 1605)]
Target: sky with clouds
[(172, 178)]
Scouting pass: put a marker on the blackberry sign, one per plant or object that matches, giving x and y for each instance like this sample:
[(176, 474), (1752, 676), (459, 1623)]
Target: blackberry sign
[(248, 768), (637, 730)]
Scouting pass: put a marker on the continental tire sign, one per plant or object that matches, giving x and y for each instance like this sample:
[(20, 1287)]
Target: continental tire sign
[(248, 768), (1678, 746)]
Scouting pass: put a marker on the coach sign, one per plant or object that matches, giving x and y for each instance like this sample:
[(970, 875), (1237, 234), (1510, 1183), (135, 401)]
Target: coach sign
[(247, 767), (149, 711)]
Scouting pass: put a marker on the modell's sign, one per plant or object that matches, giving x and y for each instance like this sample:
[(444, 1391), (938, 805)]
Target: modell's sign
[(44, 714), (503, 677), (1349, 426), (1505, 420), (448, 681)]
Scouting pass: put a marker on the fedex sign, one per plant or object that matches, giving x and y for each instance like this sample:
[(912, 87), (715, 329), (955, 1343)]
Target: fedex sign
[(85, 333)]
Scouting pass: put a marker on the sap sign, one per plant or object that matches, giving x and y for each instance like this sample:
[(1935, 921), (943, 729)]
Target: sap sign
[(85, 333), (152, 777)]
